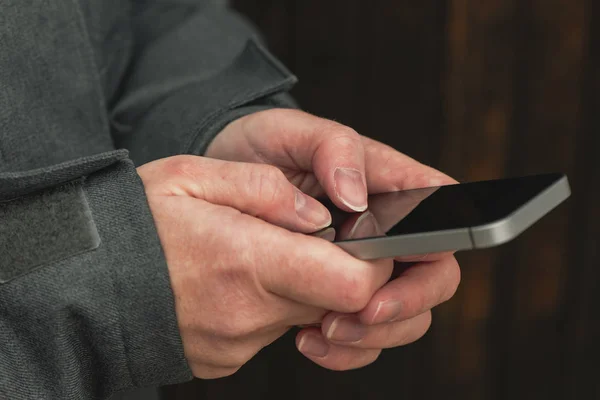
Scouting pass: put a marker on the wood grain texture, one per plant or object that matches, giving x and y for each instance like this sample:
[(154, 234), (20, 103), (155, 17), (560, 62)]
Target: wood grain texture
[(480, 89), (581, 300), (528, 329)]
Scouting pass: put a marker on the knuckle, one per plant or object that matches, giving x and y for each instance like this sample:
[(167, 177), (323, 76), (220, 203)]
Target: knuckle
[(346, 137), (268, 183), (344, 132), (182, 165)]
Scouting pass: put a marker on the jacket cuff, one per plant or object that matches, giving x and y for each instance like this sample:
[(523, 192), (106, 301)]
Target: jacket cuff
[(186, 121), (143, 296), (209, 132), (87, 310)]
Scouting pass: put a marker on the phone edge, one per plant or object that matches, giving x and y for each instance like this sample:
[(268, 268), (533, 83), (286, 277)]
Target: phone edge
[(508, 228), (407, 245)]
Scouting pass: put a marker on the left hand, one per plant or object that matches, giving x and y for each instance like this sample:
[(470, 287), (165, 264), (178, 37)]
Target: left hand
[(320, 157)]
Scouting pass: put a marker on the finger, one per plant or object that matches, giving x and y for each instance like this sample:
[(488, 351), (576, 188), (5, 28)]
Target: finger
[(306, 270), (311, 343), (327, 234), (418, 289), (333, 152), (348, 330), (338, 164), (315, 272), (388, 170), (360, 226), (256, 189)]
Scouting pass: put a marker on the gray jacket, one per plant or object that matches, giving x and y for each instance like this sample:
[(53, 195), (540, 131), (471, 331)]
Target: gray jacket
[(89, 89)]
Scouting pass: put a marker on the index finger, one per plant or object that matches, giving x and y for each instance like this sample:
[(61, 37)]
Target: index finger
[(418, 289), (315, 272), (388, 170)]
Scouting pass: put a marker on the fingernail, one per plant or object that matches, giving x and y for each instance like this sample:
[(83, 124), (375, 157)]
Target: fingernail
[(327, 234), (312, 211), (386, 311), (346, 329), (350, 189), (365, 226), (313, 345)]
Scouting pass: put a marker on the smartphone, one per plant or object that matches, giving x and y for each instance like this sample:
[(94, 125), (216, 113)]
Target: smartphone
[(456, 217)]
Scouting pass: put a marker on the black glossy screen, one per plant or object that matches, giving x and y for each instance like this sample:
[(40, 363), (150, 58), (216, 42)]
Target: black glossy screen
[(442, 208)]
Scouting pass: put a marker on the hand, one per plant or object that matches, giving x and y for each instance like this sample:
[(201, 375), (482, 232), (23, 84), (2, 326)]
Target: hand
[(399, 313), (240, 282), (320, 157), (323, 157)]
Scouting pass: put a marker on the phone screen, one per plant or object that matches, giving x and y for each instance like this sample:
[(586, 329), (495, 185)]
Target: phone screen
[(438, 208)]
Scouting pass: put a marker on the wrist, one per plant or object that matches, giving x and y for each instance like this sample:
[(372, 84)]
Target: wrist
[(213, 137)]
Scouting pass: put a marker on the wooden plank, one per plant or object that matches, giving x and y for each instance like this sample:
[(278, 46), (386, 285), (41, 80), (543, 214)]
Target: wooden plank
[(375, 68), (479, 90), (326, 57), (399, 86), (529, 293), (580, 316)]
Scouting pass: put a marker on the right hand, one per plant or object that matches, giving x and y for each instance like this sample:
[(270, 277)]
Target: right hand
[(240, 280)]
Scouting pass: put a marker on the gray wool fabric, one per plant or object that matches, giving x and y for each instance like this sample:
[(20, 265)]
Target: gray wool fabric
[(44, 227), (90, 89)]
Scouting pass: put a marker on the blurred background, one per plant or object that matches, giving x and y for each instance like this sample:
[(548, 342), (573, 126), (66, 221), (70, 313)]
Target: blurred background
[(481, 90)]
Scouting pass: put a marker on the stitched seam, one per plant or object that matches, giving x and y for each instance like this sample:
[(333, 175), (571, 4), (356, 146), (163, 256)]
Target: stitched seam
[(118, 154)]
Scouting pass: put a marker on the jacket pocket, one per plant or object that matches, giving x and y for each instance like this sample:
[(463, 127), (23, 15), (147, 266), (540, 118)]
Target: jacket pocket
[(45, 216)]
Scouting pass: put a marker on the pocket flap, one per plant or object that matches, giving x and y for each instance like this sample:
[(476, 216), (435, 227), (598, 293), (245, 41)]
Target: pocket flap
[(16, 184)]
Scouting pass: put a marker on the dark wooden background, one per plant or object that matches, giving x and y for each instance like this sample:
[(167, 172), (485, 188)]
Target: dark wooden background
[(479, 89)]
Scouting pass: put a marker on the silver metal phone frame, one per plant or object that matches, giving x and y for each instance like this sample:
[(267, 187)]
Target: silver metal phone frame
[(479, 237)]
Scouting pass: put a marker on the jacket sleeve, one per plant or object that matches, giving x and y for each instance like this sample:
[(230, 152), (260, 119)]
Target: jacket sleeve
[(86, 307), (196, 67)]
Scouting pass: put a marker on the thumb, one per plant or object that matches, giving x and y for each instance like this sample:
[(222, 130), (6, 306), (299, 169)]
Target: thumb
[(259, 190)]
